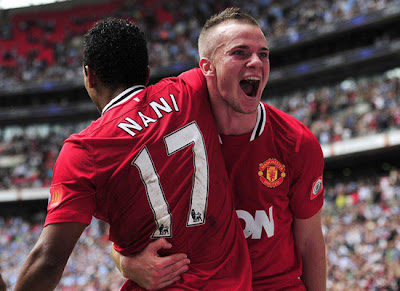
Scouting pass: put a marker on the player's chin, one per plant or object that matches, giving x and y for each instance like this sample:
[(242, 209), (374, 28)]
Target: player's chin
[(249, 106)]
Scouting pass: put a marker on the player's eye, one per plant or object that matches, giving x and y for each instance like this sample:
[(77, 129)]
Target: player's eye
[(263, 55), (238, 53)]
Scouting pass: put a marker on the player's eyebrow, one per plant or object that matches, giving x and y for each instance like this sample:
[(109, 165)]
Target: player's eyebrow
[(246, 47)]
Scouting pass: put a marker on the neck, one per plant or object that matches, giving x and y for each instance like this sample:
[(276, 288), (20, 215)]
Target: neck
[(229, 121), (107, 95)]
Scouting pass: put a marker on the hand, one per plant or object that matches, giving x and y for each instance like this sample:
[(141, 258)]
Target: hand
[(3, 286), (151, 271)]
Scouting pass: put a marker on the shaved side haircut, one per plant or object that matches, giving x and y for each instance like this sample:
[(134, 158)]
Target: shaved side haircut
[(205, 45)]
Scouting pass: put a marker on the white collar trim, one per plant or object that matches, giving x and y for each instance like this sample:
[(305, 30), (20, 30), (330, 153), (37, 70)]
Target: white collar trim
[(122, 97), (260, 123)]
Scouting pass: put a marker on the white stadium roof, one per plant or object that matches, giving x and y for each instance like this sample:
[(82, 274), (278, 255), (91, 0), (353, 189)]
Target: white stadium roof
[(10, 4)]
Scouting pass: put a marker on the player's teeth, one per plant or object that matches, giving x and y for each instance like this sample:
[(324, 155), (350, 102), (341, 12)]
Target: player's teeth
[(253, 79)]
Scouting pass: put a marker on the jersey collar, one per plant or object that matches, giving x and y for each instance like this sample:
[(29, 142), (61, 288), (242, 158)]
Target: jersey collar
[(122, 97), (260, 123)]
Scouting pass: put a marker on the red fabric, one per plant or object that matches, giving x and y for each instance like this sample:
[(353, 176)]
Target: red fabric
[(101, 175), (291, 156)]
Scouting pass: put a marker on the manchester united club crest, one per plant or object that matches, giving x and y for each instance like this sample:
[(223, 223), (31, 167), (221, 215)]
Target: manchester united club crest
[(272, 173)]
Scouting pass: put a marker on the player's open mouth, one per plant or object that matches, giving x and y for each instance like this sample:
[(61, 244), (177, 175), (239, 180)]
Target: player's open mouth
[(250, 86)]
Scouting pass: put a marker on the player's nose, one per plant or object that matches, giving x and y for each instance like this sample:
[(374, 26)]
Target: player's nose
[(254, 61)]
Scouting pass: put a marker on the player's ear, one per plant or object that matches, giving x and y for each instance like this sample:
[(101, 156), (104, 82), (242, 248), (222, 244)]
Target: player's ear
[(90, 75), (207, 67)]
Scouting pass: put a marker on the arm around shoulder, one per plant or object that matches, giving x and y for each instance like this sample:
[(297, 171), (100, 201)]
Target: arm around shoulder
[(45, 264)]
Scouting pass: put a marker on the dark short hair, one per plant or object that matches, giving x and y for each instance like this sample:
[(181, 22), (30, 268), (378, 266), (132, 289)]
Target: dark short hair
[(116, 50)]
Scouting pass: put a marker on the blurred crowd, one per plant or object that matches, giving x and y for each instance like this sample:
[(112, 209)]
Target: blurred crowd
[(172, 29), (28, 154), (90, 267), (362, 231), (354, 107), (361, 226)]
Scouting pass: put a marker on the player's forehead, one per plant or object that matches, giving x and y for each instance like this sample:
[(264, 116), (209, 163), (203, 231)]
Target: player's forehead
[(233, 33)]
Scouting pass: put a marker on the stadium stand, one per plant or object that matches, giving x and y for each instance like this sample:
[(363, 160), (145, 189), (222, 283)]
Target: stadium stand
[(46, 45), (333, 68), (354, 107)]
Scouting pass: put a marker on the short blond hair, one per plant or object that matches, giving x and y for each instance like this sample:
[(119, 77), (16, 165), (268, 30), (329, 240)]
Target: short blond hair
[(232, 13)]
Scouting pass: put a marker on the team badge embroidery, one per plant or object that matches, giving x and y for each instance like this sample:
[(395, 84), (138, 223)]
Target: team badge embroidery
[(317, 188), (272, 173)]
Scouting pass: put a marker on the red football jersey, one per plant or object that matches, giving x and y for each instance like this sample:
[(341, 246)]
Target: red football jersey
[(276, 175), (151, 166)]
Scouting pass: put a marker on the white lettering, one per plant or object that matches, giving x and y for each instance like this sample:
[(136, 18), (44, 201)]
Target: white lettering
[(174, 102), (156, 107), (145, 119), (253, 227), (127, 127)]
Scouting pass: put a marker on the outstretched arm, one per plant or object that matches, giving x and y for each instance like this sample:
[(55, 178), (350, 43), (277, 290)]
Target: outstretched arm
[(148, 269), (310, 241), (45, 264)]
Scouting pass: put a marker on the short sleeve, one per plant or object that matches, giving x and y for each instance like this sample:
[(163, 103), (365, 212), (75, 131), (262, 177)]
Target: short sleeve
[(72, 193), (307, 189)]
